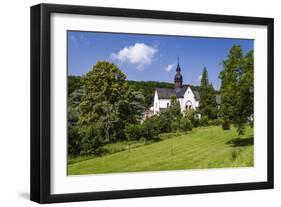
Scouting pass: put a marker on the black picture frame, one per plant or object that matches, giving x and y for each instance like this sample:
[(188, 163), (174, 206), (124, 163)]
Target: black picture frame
[(41, 95)]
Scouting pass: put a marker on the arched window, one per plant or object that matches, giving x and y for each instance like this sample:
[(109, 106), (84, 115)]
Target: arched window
[(188, 106), (168, 105)]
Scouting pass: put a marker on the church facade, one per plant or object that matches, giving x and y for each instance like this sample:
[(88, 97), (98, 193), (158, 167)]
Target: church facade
[(188, 98)]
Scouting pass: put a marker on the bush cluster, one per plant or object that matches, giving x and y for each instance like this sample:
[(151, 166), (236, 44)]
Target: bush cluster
[(155, 125)]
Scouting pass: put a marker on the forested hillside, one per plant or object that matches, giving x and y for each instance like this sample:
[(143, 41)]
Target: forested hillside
[(147, 88)]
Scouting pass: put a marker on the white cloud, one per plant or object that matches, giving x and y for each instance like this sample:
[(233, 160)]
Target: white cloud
[(139, 54), (169, 67)]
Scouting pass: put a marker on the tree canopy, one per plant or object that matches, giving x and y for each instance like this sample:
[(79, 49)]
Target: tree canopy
[(236, 91), (108, 101)]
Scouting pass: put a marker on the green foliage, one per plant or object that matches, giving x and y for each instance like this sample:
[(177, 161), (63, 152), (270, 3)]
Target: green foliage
[(175, 125), (208, 105), (72, 115), (104, 85), (204, 120), (237, 88), (214, 122), (74, 99), (186, 124), (150, 129), (163, 121), (109, 102), (204, 79), (175, 108), (175, 114), (108, 121), (132, 110), (192, 116), (73, 83), (74, 141), (91, 140), (133, 131)]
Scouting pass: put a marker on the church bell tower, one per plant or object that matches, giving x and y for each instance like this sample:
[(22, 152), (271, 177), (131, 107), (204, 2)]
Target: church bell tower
[(178, 76)]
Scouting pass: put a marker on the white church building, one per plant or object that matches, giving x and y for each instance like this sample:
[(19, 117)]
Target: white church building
[(188, 98)]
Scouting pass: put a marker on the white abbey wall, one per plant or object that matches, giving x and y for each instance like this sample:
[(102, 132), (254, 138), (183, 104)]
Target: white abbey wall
[(155, 103), (163, 103), (188, 99), (159, 103)]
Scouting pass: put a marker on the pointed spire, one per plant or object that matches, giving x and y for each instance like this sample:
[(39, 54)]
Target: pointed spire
[(178, 76), (178, 69)]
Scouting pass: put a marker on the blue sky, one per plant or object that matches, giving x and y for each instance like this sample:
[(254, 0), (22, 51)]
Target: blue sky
[(151, 57)]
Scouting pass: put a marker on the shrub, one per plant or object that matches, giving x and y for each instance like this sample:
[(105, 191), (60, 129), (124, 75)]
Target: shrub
[(214, 122), (193, 117), (150, 129), (163, 123), (186, 124), (176, 125), (133, 132), (204, 121), (195, 122), (91, 140)]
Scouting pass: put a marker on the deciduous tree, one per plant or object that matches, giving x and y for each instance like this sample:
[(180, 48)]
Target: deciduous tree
[(237, 88)]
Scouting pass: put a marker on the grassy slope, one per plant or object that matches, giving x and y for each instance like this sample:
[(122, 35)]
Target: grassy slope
[(209, 147)]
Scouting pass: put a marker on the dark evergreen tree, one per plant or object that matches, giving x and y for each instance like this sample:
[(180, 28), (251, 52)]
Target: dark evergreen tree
[(208, 106)]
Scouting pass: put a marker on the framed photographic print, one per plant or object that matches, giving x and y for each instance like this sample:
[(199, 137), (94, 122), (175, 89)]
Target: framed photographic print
[(133, 103)]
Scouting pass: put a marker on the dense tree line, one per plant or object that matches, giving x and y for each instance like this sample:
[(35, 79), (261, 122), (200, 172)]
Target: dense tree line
[(147, 88)]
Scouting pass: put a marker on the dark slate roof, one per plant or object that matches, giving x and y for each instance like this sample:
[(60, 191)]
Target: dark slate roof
[(167, 93), (196, 94)]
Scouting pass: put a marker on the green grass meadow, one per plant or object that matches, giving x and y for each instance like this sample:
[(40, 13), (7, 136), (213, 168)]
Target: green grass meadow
[(205, 147)]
